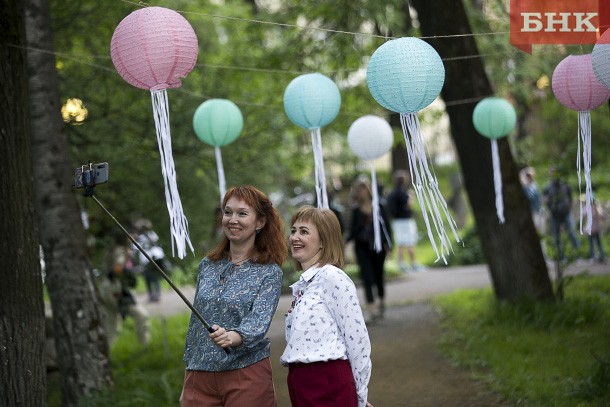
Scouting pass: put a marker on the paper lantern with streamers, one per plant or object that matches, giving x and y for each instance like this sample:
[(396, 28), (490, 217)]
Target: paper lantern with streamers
[(576, 87), (600, 58), (218, 122), (495, 117), (405, 75), (153, 48), (370, 137), (312, 101)]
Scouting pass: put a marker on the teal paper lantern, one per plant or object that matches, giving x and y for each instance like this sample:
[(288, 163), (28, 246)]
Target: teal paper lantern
[(312, 101), (405, 75), (218, 122), (494, 117)]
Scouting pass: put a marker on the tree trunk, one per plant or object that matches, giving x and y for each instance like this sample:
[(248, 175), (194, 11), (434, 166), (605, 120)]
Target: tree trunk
[(79, 336), (513, 252), (22, 369)]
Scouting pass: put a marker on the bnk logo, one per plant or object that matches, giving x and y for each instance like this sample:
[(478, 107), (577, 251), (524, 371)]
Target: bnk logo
[(557, 22)]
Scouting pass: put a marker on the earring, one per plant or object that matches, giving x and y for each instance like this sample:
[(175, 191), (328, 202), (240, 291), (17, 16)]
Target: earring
[(258, 231)]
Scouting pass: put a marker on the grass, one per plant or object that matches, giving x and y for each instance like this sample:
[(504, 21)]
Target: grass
[(539, 354)]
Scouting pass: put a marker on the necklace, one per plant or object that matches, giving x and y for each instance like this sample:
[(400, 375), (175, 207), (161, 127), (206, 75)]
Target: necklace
[(229, 269), (239, 263)]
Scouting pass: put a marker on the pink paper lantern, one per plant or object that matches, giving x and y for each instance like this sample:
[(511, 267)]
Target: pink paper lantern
[(153, 47), (576, 86)]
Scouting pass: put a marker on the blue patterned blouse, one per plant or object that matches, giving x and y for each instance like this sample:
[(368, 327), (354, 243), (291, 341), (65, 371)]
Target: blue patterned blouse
[(244, 303)]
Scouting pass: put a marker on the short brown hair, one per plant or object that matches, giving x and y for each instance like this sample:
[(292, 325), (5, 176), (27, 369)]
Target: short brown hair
[(329, 230), (270, 243)]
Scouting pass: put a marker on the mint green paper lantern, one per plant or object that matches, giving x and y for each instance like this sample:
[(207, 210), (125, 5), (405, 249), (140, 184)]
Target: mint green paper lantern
[(218, 122), (494, 117)]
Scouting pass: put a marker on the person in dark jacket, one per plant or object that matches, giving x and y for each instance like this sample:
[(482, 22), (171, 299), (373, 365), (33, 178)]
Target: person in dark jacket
[(370, 262)]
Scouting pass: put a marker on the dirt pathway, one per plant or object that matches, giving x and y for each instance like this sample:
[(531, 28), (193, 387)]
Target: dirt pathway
[(408, 369)]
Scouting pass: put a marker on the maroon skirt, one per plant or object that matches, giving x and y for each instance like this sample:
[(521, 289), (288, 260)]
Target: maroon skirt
[(322, 384)]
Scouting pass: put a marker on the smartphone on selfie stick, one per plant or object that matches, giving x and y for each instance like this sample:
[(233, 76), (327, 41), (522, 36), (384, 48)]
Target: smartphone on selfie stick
[(88, 176)]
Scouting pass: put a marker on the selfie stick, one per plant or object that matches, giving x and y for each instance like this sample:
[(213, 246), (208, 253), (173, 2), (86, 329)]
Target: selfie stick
[(89, 192)]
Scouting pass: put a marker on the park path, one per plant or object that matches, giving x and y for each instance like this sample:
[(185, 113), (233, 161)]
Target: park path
[(408, 369)]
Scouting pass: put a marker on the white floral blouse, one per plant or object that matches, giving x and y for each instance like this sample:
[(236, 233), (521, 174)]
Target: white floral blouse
[(325, 323)]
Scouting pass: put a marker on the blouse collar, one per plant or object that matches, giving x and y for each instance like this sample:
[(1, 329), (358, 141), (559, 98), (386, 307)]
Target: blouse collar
[(310, 273)]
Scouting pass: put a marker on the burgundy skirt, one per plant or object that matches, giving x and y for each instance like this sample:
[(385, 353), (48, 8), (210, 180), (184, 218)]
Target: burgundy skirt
[(322, 384)]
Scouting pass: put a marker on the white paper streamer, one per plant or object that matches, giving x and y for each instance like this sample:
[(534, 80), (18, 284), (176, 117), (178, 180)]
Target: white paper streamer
[(222, 184), (316, 142), (178, 222), (495, 158), (425, 184), (584, 135), (376, 215)]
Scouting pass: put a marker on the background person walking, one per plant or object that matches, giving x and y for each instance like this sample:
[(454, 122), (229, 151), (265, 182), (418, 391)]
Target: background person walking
[(557, 196), (116, 296), (534, 197), (149, 240), (398, 204), (598, 220), (370, 262)]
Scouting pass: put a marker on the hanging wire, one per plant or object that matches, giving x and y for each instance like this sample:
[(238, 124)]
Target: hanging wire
[(306, 27)]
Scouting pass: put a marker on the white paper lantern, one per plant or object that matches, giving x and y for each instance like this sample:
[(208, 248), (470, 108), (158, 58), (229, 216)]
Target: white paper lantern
[(370, 137)]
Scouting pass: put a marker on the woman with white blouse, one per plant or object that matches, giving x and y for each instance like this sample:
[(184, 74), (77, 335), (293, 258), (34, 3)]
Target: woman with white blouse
[(328, 348)]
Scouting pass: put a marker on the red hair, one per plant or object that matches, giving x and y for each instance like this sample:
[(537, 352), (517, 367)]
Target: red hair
[(270, 243)]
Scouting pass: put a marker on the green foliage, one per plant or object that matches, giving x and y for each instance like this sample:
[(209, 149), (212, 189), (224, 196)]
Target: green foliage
[(247, 62), (534, 353), (251, 63), (143, 376), (595, 386), (471, 252)]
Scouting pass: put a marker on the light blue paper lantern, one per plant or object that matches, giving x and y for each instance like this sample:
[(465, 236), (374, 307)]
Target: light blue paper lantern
[(494, 117), (405, 75), (218, 122), (312, 101)]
